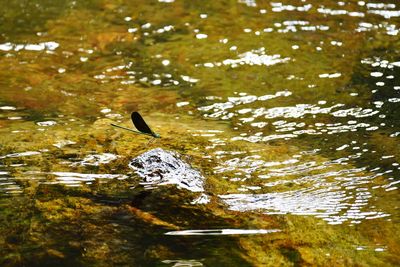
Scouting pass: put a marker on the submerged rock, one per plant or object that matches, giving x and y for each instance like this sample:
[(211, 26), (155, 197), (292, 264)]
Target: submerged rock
[(160, 167)]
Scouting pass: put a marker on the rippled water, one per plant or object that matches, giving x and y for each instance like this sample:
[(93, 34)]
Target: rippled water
[(290, 110)]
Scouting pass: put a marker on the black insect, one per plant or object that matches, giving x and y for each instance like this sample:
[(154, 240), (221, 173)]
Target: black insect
[(140, 124)]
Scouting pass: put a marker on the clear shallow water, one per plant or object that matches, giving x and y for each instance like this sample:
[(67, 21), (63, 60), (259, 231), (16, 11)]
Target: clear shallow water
[(290, 109)]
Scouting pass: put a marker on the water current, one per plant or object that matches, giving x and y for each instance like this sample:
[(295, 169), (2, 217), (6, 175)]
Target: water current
[(289, 109)]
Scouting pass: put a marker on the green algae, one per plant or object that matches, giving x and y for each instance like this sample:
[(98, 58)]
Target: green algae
[(55, 208), (116, 222)]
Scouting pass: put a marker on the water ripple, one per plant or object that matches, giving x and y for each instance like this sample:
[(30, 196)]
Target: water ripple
[(255, 57), (224, 232), (76, 179)]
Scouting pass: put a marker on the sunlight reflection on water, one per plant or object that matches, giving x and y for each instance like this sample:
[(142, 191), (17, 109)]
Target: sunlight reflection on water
[(281, 69), (76, 179), (49, 46), (224, 232), (338, 193)]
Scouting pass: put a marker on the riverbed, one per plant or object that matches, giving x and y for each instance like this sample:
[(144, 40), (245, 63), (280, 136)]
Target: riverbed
[(290, 110)]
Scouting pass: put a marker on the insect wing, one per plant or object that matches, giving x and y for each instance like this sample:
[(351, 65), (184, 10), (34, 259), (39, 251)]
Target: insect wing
[(140, 124)]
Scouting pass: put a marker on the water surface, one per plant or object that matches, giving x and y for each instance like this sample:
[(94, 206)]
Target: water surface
[(289, 109)]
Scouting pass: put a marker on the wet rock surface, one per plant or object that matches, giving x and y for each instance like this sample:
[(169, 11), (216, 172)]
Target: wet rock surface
[(161, 167)]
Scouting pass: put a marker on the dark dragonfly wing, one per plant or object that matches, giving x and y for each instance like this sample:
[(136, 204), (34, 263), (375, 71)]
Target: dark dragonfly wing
[(140, 124)]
